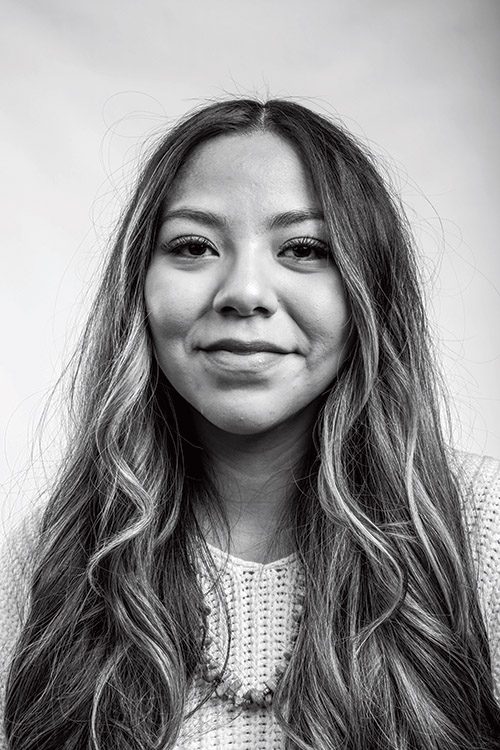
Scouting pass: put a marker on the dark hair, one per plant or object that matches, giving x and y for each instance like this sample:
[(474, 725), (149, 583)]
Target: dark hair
[(392, 650)]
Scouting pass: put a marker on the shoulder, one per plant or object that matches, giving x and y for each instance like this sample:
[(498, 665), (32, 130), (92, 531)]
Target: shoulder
[(18, 542), (17, 550), (479, 473), (479, 477)]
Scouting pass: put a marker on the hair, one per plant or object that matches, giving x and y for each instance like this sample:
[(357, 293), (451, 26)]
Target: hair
[(392, 650)]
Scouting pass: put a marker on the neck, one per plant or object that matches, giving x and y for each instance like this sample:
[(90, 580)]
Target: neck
[(255, 479)]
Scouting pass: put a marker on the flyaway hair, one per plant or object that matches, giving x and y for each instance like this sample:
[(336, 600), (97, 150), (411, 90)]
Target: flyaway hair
[(392, 652)]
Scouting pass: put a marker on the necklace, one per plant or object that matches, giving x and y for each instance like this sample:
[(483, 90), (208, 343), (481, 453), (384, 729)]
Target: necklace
[(227, 683)]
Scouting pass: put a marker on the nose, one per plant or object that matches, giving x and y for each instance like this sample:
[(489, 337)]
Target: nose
[(246, 288)]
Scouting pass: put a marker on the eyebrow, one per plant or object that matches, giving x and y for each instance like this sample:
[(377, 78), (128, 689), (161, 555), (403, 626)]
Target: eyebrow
[(278, 221), (295, 217)]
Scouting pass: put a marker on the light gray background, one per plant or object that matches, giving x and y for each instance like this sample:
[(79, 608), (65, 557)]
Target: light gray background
[(86, 81)]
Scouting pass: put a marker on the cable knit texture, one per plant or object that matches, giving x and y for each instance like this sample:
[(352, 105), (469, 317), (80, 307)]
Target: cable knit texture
[(260, 601)]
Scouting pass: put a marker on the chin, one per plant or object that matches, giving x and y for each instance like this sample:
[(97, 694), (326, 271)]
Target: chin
[(252, 421), (243, 426), (241, 422)]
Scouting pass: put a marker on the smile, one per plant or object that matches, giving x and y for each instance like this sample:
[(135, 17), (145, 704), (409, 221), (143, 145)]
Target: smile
[(236, 346), (246, 364), (238, 359)]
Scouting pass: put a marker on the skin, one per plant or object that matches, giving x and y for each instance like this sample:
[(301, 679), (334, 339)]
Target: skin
[(231, 268)]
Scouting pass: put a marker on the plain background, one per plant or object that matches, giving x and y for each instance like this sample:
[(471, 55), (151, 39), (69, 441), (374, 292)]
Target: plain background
[(86, 82)]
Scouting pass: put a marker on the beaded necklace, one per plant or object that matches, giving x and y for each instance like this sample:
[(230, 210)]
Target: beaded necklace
[(227, 683)]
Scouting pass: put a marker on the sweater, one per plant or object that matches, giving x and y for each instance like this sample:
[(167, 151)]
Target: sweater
[(260, 603)]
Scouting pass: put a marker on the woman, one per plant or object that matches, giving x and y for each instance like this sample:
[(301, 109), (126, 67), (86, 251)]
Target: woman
[(258, 537)]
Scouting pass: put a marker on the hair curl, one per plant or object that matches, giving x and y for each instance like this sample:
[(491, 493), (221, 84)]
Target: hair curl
[(392, 651)]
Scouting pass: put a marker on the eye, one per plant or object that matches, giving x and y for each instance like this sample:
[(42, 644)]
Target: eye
[(190, 246), (305, 249)]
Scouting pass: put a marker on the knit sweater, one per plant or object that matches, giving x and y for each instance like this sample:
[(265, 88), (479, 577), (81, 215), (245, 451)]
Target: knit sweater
[(260, 602)]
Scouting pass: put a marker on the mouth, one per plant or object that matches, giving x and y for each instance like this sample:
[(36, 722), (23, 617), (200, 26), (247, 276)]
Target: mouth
[(244, 362), (236, 346)]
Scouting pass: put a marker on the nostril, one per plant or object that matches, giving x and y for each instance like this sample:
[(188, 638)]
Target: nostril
[(242, 313), (245, 297)]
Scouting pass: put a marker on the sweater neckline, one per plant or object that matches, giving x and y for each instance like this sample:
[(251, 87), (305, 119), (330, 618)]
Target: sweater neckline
[(225, 557)]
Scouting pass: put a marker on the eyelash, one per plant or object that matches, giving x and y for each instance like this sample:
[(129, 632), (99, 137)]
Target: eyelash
[(177, 246), (180, 243), (307, 242)]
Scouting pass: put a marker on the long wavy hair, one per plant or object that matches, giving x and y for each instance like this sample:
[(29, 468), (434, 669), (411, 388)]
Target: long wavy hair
[(392, 651)]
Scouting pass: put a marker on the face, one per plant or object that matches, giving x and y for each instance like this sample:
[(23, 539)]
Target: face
[(246, 308)]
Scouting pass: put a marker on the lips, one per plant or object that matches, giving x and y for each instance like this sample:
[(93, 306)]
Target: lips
[(236, 346)]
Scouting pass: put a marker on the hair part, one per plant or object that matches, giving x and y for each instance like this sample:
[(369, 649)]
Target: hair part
[(392, 650)]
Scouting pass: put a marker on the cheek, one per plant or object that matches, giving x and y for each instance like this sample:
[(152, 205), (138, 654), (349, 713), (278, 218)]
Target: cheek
[(169, 308), (327, 317)]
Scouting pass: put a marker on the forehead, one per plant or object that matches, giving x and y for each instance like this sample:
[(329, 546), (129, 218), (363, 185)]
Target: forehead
[(254, 164)]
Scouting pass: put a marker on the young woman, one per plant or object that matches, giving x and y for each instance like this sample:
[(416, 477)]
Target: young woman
[(258, 537)]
